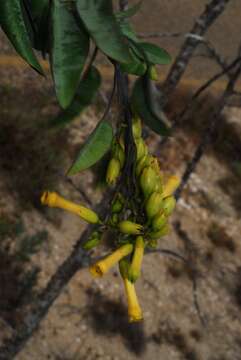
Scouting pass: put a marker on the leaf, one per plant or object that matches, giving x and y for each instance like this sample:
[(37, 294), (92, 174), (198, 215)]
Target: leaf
[(83, 98), (142, 107), (129, 12), (69, 50), (12, 22), (127, 31), (103, 27), (155, 54), (136, 67), (97, 144)]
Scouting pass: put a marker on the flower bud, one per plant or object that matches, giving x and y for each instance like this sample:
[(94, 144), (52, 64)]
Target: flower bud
[(148, 181), (118, 152), (114, 219), (93, 241), (135, 267), (129, 227), (170, 185), (152, 73), (141, 149), (159, 221), (52, 199), (160, 233), (153, 204), (134, 309), (117, 204), (142, 163), (102, 266), (136, 127), (168, 205), (113, 171)]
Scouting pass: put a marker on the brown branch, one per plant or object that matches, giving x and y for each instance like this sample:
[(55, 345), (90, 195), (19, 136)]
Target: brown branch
[(74, 262), (202, 24), (210, 131)]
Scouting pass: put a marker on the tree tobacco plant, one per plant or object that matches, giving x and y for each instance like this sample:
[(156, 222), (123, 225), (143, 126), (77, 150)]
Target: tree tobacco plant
[(64, 31)]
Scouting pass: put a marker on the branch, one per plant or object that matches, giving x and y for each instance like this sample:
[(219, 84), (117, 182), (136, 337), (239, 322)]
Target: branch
[(210, 131), (74, 262), (202, 24)]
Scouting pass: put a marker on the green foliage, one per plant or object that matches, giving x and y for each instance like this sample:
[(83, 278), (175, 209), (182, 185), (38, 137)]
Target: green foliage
[(86, 92), (69, 50), (140, 101), (12, 22), (97, 144), (99, 19), (155, 54), (129, 12)]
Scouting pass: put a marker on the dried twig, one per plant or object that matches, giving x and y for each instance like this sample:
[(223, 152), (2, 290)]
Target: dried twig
[(210, 131), (202, 24)]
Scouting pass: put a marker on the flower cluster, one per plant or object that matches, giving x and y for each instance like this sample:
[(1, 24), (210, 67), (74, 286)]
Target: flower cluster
[(135, 223)]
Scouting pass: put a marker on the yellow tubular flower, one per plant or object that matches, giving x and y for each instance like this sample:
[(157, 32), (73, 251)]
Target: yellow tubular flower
[(170, 185), (135, 267), (129, 227), (102, 266), (113, 171), (134, 309), (52, 199)]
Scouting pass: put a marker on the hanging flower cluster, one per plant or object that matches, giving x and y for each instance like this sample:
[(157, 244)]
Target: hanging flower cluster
[(137, 222)]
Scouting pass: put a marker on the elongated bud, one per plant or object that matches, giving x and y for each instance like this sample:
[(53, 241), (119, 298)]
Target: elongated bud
[(117, 203), (113, 171), (148, 181), (141, 149), (142, 163), (136, 127), (170, 185), (135, 267), (114, 219), (129, 227), (134, 309), (93, 241), (152, 73), (169, 204), (118, 152), (154, 163), (102, 266), (153, 204), (159, 221), (160, 233), (52, 199)]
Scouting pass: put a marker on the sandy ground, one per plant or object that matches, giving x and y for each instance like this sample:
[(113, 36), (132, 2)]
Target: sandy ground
[(89, 319)]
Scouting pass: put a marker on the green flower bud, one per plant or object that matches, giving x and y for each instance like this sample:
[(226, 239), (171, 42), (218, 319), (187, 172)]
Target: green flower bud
[(160, 233), (148, 181), (159, 221), (135, 267), (113, 171), (92, 242), (136, 127), (117, 204), (142, 163), (124, 267), (141, 149), (168, 205), (129, 227), (153, 204), (152, 73), (118, 152)]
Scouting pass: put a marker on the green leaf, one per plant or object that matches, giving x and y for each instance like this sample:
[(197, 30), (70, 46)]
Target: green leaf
[(127, 31), (129, 12), (103, 27), (142, 106), (69, 50), (12, 22), (155, 54), (136, 67), (97, 144), (83, 98)]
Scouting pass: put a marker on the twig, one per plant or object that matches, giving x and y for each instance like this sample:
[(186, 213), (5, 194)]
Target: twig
[(74, 262), (210, 131), (202, 24)]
